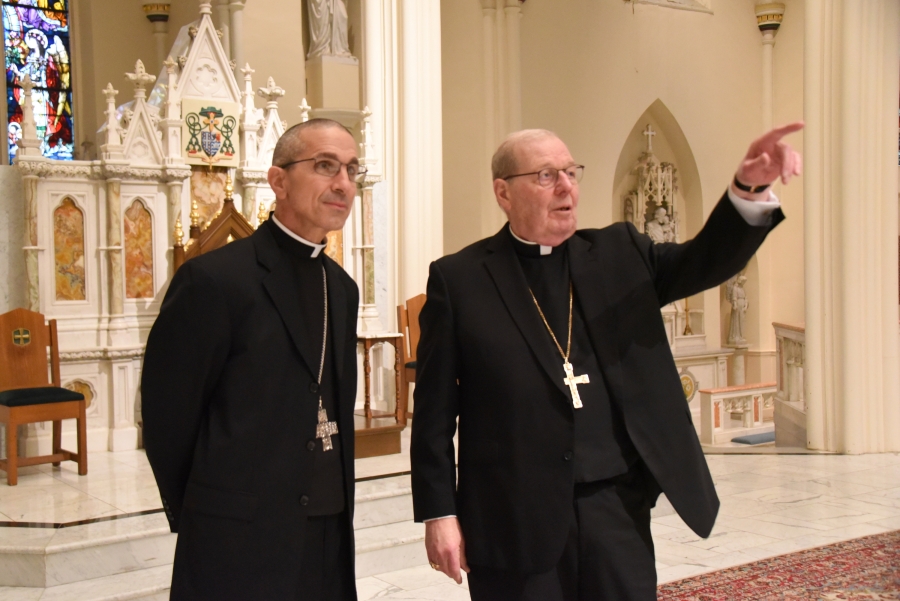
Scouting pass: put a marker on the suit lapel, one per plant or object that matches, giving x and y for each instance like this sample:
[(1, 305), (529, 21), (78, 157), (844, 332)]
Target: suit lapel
[(587, 269), (281, 285), (504, 268), (337, 309)]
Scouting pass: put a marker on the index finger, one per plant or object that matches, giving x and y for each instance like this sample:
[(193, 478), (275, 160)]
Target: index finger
[(453, 568), (780, 132)]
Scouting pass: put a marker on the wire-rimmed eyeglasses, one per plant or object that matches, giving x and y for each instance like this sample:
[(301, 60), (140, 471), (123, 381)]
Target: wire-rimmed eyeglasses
[(331, 167), (548, 177)]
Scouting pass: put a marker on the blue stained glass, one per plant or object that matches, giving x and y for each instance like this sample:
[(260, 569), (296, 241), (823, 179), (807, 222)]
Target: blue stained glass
[(36, 39)]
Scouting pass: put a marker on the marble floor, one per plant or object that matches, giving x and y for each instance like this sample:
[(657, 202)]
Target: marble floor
[(771, 504)]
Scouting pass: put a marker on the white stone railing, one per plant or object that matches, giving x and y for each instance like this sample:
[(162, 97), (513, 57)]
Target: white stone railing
[(735, 411)]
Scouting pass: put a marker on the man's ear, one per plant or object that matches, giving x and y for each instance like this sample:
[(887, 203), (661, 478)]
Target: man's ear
[(276, 177), (501, 193)]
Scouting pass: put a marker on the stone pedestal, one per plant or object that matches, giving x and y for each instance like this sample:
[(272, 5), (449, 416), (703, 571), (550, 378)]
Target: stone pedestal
[(738, 375), (333, 82)]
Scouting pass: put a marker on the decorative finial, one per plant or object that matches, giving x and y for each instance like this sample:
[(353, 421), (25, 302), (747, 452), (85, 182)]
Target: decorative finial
[(179, 232), (304, 111), (229, 188), (109, 92), (271, 93), (195, 218), (248, 72), (27, 85), (262, 215), (205, 7), (170, 64), (141, 79)]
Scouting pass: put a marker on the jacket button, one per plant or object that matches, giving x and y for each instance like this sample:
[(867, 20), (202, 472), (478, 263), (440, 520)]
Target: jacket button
[(313, 387), (304, 500), (567, 456), (311, 445)]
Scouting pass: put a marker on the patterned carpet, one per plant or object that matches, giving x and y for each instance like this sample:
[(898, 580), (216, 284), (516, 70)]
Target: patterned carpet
[(861, 569)]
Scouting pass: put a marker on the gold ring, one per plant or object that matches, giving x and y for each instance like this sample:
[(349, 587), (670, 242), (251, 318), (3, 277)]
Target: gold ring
[(434, 566)]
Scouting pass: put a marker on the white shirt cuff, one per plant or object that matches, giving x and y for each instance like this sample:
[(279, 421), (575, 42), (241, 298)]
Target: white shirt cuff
[(440, 518), (756, 213)]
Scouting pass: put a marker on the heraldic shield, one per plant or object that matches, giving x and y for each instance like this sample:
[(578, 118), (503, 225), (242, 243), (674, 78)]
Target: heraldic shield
[(209, 131)]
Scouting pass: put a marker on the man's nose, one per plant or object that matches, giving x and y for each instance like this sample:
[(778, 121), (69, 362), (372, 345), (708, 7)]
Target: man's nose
[(563, 184), (341, 181)]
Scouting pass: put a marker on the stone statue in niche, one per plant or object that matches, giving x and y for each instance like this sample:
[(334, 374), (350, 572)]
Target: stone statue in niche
[(737, 296), (660, 228), (327, 28)]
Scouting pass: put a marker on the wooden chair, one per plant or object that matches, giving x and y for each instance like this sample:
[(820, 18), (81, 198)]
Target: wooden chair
[(408, 324), (26, 395)]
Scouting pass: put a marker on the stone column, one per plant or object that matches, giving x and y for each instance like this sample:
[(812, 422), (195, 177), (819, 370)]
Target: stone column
[(421, 161), (116, 267), (491, 216), (237, 31), (158, 15), (768, 19), (513, 65), (32, 250), (223, 22), (850, 230)]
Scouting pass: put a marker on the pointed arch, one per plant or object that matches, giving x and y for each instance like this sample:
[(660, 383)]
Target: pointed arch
[(671, 145), (68, 251), (138, 225)]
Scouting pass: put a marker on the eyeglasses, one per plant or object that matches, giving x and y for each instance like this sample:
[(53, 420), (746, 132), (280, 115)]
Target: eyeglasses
[(331, 167), (548, 177)]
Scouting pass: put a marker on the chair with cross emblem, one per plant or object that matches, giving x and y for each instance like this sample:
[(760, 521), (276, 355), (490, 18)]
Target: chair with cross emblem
[(29, 395), (408, 324)]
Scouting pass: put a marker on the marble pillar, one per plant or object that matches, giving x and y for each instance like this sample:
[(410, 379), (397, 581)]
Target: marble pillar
[(850, 230), (32, 250), (116, 267), (237, 31), (421, 159)]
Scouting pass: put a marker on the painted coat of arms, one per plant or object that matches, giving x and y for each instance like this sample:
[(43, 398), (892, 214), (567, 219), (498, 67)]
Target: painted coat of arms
[(210, 132)]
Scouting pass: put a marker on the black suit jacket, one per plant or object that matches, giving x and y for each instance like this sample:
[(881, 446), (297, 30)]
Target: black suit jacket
[(229, 409), (485, 357)]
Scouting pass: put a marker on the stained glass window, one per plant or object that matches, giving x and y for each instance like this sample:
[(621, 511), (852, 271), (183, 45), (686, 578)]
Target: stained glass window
[(36, 35)]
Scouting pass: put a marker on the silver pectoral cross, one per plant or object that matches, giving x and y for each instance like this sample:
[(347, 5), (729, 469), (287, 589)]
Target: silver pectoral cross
[(325, 429), (572, 381)]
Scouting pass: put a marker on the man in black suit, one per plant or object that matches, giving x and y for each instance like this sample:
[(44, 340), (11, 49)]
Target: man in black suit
[(248, 389), (547, 344)]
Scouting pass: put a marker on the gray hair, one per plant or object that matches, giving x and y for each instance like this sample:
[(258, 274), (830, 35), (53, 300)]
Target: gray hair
[(290, 145), (505, 162)]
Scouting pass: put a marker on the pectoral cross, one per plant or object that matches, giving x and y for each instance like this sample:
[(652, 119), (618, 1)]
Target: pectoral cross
[(325, 429), (572, 381)]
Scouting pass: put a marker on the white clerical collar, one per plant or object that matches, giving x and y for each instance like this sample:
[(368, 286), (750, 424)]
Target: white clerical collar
[(316, 248), (545, 250)]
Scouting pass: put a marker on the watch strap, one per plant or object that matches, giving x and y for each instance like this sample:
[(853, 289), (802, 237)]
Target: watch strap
[(750, 189)]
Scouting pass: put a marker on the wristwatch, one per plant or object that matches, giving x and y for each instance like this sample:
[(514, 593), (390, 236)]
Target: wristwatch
[(750, 189)]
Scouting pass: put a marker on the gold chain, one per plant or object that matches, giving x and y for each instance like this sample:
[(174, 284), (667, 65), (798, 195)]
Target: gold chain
[(324, 333), (565, 355)]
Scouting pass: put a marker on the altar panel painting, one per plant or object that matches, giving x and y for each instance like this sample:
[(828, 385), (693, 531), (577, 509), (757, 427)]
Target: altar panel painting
[(138, 251), (36, 35), (208, 189), (68, 249)]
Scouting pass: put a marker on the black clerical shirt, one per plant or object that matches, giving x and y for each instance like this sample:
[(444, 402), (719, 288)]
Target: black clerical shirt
[(603, 448), (326, 495)]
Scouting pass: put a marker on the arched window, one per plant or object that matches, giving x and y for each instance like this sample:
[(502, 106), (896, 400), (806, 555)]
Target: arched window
[(36, 36), (68, 250), (138, 251)]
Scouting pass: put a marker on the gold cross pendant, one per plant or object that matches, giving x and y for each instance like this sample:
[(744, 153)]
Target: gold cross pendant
[(325, 429), (572, 382)]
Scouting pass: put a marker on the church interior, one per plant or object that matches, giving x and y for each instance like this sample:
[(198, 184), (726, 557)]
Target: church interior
[(791, 369)]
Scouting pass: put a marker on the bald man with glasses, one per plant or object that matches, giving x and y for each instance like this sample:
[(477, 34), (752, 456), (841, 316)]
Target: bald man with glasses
[(544, 345), (248, 388)]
